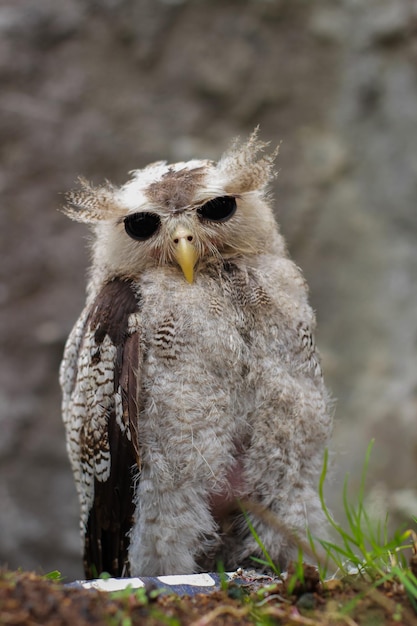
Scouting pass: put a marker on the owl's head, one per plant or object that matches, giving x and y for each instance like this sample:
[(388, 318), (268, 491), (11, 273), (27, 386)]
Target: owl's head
[(184, 215)]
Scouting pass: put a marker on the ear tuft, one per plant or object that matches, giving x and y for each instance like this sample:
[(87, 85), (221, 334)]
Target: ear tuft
[(247, 167), (92, 204)]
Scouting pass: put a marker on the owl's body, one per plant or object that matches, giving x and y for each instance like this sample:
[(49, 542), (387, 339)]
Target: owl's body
[(191, 380)]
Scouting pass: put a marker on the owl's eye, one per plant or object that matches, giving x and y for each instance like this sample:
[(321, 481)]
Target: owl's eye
[(141, 226), (219, 209)]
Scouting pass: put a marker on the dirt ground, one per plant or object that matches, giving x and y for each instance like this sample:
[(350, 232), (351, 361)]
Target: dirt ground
[(29, 600)]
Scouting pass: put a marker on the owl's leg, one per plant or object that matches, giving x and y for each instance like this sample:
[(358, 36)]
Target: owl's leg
[(281, 527), (172, 528), (282, 466)]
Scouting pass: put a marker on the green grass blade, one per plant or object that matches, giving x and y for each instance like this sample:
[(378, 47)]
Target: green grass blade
[(268, 560)]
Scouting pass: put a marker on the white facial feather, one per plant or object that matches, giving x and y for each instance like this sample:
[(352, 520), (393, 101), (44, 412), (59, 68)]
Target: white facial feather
[(243, 172)]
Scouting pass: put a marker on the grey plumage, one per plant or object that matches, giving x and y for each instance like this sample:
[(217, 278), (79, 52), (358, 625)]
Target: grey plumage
[(191, 378)]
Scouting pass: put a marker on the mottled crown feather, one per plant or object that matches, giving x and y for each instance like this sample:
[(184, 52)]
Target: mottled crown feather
[(243, 168)]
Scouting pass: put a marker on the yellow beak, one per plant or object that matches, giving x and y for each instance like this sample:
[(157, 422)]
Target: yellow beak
[(185, 253)]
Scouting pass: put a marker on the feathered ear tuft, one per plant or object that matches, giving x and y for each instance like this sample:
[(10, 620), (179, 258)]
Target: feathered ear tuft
[(246, 166), (92, 204)]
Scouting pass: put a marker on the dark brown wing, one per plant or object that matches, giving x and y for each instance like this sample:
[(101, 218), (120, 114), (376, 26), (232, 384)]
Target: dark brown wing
[(111, 514)]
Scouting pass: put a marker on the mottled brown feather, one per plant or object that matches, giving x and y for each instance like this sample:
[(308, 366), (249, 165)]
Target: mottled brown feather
[(111, 516)]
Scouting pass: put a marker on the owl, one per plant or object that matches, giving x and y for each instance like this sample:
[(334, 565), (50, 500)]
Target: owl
[(191, 382)]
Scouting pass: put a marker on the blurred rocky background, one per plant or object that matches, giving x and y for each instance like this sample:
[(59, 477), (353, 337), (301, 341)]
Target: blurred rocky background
[(100, 87)]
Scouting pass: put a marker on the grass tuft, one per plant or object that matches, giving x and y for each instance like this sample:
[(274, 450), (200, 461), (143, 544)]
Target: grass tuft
[(364, 547), (362, 551)]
